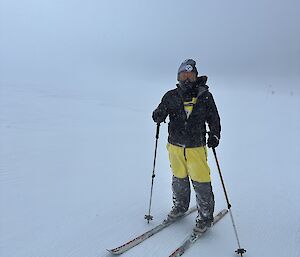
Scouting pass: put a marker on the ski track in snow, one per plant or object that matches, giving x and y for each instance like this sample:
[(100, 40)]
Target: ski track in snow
[(70, 184)]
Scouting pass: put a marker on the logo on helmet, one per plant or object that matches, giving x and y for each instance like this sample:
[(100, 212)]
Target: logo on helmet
[(189, 68)]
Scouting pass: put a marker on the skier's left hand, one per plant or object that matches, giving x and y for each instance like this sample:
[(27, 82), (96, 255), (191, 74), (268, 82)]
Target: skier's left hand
[(213, 141)]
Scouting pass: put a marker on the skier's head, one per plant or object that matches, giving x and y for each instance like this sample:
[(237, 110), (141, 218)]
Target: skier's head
[(187, 74)]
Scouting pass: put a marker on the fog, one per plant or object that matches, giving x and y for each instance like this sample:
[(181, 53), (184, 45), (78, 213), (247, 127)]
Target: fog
[(78, 83), (88, 42)]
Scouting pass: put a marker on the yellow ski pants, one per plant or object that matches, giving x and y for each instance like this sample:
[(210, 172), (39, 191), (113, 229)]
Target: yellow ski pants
[(190, 162)]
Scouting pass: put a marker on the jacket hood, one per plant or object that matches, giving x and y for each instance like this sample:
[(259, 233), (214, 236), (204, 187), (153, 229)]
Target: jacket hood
[(201, 81), (201, 85)]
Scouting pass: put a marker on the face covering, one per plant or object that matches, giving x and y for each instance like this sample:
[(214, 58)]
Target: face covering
[(186, 86)]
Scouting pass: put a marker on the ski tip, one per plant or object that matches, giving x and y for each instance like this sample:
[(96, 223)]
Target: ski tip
[(222, 212), (111, 251), (225, 211)]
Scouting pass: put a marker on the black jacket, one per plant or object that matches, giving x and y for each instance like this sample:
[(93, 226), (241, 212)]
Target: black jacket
[(190, 132)]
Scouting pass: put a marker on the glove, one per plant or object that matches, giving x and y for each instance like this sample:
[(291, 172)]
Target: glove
[(213, 141), (157, 116)]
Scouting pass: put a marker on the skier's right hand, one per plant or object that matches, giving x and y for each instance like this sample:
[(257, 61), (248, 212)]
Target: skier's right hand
[(157, 116)]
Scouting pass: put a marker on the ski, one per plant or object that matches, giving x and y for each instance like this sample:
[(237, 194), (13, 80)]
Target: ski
[(192, 238), (130, 244)]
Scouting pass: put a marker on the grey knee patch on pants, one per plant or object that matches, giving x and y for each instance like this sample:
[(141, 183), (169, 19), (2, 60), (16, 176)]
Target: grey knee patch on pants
[(205, 201), (181, 193)]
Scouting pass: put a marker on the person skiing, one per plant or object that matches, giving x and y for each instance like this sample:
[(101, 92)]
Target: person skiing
[(190, 106)]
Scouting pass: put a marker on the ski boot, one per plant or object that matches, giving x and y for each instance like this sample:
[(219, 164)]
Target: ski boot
[(174, 214), (201, 226)]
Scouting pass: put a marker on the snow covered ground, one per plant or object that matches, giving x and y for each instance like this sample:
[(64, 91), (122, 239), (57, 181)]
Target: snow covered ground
[(76, 163)]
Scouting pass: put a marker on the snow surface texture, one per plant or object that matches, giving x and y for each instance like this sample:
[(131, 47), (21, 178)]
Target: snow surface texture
[(76, 170)]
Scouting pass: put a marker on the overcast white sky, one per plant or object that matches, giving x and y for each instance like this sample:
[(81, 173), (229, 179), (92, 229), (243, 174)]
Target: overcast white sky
[(57, 41)]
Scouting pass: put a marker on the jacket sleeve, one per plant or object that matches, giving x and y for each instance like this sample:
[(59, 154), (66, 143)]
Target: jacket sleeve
[(213, 118), (161, 112)]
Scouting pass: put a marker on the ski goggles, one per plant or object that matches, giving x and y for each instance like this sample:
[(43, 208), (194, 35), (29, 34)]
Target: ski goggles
[(191, 76)]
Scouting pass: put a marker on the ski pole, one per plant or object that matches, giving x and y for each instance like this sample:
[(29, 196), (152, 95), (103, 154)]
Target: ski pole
[(148, 216), (240, 250)]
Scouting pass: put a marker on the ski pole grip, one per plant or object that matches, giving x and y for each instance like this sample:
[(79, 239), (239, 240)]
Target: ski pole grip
[(157, 130)]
